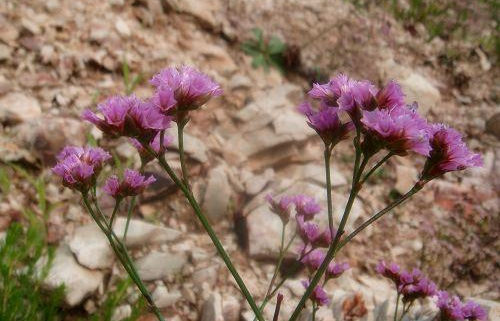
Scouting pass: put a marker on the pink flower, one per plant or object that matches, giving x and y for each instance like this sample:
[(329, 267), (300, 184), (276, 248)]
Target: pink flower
[(326, 123), (449, 152), (132, 184), (335, 270), (391, 271), (281, 207), (390, 96), (450, 307), (329, 93), (313, 259), (398, 129), (473, 311), (187, 87), (146, 157), (306, 206), (79, 166), (128, 116), (311, 233), (318, 295)]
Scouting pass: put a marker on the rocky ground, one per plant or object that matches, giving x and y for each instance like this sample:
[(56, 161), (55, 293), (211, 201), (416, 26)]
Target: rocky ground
[(60, 57)]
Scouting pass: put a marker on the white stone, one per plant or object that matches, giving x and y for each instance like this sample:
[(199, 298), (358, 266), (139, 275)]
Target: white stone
[(163, 298), (17, 107), (122, 28), (122, 312), (78, 281), (207, 11), (159, 265), (406, 177), (212, 308), (91, 247), (231, 308), (418, 88), (142, 233), (218, 194)]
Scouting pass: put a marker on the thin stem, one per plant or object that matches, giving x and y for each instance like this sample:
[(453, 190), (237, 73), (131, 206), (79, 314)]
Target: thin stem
[(397, 306), (122, 255), (115, 210), (406, 309), (327, 156), (180, 137), (314, 312), (333, 247), (380, 163), (211, 233), (278, 306), (375, 217), (129, 216)]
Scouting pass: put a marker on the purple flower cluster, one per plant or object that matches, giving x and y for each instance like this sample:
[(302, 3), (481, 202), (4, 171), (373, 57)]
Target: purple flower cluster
[(79, 166), (132, 184), (180, 90), (412, 285), (314, 238), (128, 116), (386, 122), (452, 309)]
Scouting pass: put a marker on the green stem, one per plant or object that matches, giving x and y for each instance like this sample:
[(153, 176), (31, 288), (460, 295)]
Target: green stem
[(314, 312), (208, 228), (180, 138), (129, 216), (377, 216), (122, 255), (113, 215), (333, 247), (397, 306), (380, 163), (327, 156)]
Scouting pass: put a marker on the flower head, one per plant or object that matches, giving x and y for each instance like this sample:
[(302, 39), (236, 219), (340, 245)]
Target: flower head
[(188, 87), (413, 285), (329, 93), (79, 166), (146, 157), (313, 259), (128, 116), (391, 271), (398, 129), (449, 152), (335, 270), (318, 295), (132, 184), (306, 206), (473, 311), (390, 96), (326, 123), (281, 207), (450, 307), (312, 234)]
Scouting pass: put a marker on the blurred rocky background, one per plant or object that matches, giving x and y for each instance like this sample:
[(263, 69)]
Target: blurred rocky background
[(59, 57)]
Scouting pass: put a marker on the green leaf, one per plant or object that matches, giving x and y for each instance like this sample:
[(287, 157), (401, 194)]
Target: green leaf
[(275, 46), (259, 60), (4, 181)]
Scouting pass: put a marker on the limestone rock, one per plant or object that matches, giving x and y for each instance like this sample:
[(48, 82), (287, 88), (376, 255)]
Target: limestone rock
[(91, 247), (418, 88), (160, 265), (16, 108), (142, 233), (217, 195), (163, 298), (231, 308), (212, 308), (406, 177), (79, 282), (208, 12)]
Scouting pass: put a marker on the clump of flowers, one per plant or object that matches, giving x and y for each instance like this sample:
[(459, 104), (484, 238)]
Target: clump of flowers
[(377, 119), (413, 285)]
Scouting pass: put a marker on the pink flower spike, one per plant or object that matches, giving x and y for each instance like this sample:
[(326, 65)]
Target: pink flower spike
[(306, 206), (281, 207), (318, 295), (330, 92), (190, 88), (79, 166), (326, 123), (314, 259), (449, 152), (390, 96), (399, 129), (472, 311), (335, 270), (132, 184)]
